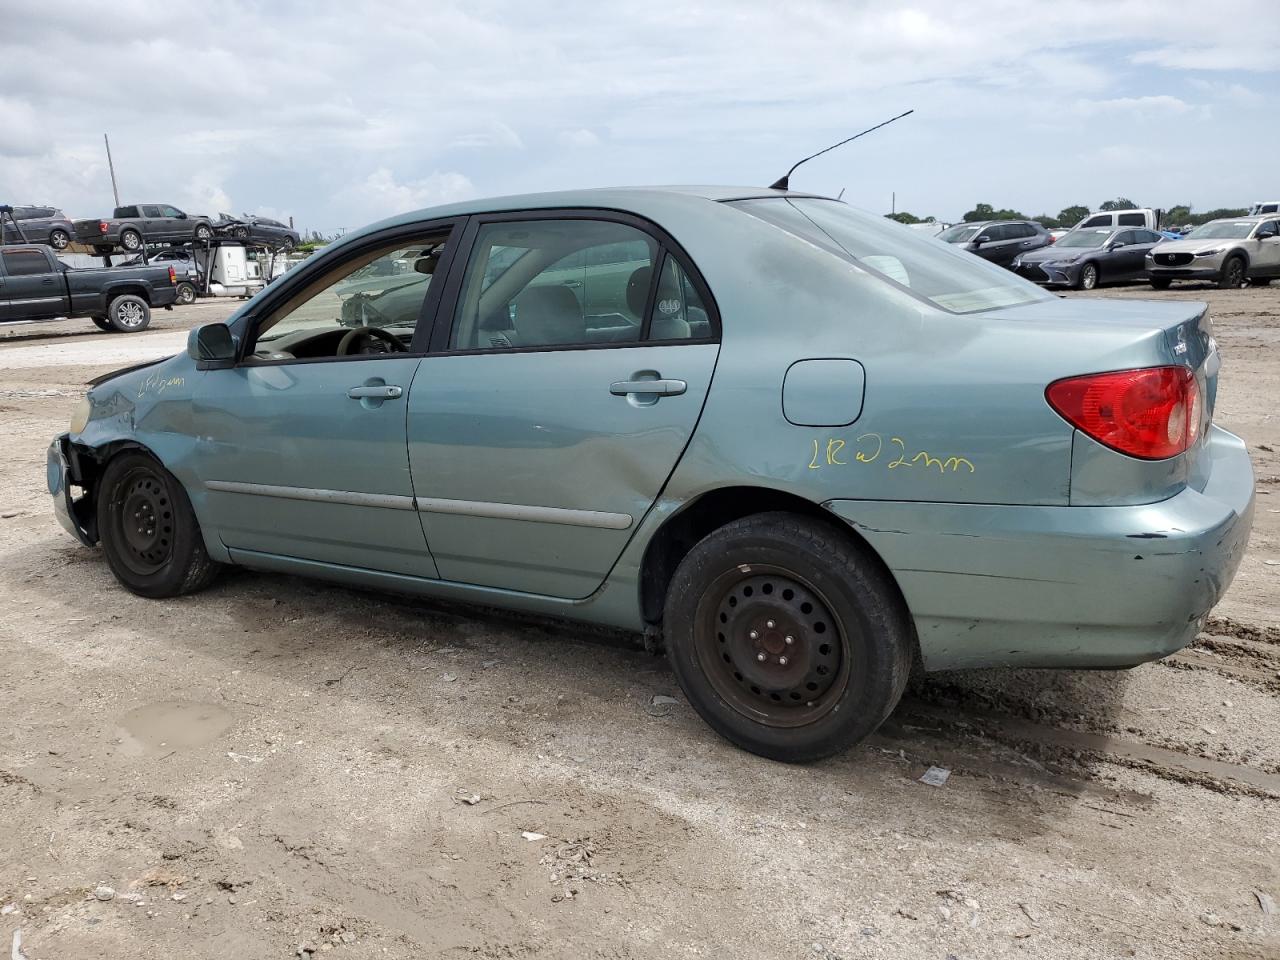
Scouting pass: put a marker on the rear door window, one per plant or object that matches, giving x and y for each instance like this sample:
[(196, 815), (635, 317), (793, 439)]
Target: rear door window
[(678, 311), (151, 212)]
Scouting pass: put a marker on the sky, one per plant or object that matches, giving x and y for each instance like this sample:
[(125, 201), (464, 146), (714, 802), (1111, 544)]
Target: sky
[(340, 114)]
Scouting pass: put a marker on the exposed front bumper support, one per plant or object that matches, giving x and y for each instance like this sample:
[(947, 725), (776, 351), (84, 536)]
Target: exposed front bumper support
[(76, 514)]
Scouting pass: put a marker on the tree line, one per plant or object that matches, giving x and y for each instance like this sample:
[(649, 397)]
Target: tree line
[(1177, 215)]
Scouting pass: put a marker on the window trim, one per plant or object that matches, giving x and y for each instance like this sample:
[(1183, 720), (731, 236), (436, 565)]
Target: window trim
[(309, 272), (442, 333)]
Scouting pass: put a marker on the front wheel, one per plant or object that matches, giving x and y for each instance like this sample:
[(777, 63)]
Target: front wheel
[(1088, 277), (1232, 275), (203, 234), (789, 640), (128, 313), (149, 533), (240, 233)]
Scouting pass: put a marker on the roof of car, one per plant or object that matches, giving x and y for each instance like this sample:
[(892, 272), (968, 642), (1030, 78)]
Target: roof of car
[(1247, 216)]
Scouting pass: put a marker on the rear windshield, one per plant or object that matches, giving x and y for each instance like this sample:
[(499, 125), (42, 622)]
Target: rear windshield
[(1223, 230), (1090, 237), (943, 275)]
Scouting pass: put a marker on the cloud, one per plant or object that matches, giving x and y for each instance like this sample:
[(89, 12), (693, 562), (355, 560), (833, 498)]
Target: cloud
[(1160, 105), (381, 195), (580, 138)]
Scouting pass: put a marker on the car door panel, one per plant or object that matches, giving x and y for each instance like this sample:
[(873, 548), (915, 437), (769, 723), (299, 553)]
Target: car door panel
[(334, 486), (32, 290), (531, 474)]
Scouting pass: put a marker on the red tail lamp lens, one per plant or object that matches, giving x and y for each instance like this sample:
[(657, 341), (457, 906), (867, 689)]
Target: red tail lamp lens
[(1152, 413)]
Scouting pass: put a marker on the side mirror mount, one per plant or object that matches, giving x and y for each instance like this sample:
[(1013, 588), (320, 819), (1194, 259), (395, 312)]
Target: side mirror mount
[(181, 215), (212, 346), (979, 241), (1267, 233), (1116, 244)]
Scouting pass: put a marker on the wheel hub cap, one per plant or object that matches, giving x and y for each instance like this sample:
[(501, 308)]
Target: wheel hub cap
[(777, 645)]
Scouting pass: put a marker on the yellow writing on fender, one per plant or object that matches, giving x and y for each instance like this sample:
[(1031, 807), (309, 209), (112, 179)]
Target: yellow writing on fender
[(869, 447), (158, 384)]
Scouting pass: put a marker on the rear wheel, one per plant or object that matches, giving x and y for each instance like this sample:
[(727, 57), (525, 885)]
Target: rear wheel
[(1232, 275), (131, 239), (287, 244), (128, 313), (1160, 283), (149, 533), (787, 638), (58, 239), (186, 293), (1088, 277)]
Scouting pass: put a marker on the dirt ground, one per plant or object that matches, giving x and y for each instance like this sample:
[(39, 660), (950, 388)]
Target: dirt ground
[(277, 765)]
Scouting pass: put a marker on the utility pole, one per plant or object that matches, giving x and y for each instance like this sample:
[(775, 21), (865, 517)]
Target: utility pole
[(893, 202), (110, 166)]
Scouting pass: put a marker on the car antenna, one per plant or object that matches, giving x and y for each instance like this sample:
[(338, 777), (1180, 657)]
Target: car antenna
[(784, 182)]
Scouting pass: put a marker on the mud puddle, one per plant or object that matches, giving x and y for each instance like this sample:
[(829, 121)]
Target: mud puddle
[(171, 725)]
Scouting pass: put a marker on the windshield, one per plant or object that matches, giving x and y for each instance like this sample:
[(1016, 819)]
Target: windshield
[(1223, 230), (961, 234), (952, 279), (1084, 238)]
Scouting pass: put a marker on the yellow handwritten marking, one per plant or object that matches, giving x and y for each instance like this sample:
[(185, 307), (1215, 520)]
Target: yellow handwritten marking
[(862, 457), (902, 455), (928, 461), (158, 384), (869, 455)]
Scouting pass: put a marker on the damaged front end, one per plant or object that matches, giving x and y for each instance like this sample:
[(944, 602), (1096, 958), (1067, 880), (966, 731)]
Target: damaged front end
[(70, 477)]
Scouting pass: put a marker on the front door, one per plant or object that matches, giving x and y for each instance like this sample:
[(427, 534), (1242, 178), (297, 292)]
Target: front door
[(554, 409), (32, 291), (1266, 256), (302, 449)]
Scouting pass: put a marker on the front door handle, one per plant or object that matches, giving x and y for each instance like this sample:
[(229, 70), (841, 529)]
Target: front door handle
[(648, 388), (377, 392)]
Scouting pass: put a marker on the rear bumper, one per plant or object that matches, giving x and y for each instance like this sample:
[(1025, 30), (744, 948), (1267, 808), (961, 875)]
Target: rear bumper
[(75, 515), (1065, 586)]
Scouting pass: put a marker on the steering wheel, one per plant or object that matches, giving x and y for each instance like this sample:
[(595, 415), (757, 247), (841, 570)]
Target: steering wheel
[(368, 334)]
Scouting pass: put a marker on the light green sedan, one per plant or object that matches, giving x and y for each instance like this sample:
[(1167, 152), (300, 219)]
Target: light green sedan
[(799, 446)]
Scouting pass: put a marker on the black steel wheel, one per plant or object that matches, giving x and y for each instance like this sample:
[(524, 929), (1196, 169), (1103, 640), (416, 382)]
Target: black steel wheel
[(149, 534), (787, 636), (1232, 274), (58, 239)]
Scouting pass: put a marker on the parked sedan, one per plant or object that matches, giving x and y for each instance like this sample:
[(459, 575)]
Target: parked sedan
[(798, 445), (259, 230), (999, 241), (1087, 257), (37, 225), (1228, 252)]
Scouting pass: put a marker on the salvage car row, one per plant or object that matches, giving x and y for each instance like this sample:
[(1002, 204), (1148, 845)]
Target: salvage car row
[(1228, 252), (131, 227)]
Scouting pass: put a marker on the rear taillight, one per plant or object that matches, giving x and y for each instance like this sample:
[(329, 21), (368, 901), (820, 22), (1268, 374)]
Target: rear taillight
[(102, 227), (1052, 239), (1152, 413), (173, 275)]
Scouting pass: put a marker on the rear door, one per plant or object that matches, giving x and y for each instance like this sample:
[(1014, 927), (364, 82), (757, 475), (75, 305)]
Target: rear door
[(554, 407), (33, 289), (1143, 241), (155, 225)]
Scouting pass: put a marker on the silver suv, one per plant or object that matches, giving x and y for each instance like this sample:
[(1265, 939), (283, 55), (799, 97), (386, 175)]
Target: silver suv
[(1229, 251)]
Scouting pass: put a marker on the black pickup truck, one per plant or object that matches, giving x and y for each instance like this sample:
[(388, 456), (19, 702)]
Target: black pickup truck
[(132, 226), (35, 285)]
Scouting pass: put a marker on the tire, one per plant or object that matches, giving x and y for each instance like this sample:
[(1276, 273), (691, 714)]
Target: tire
[(186, 293), (103, 249), (149, 533), (102, 323), (757, 581), (1088, 279), (240, 233), (1261, 281), (287, 245), (203, 233), (58, 239), (128, 313), (131, 240), (1160, 283), (1232, 275)]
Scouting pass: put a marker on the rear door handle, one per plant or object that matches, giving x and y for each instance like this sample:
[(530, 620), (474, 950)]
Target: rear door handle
[(648, 388), (385, 392)]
